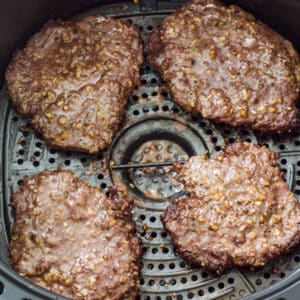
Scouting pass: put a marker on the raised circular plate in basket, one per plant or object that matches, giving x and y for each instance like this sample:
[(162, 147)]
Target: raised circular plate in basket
[(155, 129)]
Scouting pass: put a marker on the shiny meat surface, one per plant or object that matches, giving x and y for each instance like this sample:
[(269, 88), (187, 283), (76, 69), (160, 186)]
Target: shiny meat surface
[(74, 79), (221, 62), (239, 210), (73, 240)]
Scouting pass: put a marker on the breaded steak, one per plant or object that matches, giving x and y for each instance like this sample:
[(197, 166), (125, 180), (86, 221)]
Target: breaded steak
[(239, 210), (221, 62), (74, 79), (70, 238)]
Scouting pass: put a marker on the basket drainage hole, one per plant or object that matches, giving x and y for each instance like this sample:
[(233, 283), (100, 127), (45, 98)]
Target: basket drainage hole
[(145, 109), (214, 140), (201, 293), (20, 161), (164, 234), (153, 235), (51, 160), (172, 266), (155, 108), (142, 281), (135, 98), (36, 163), (100, 176), (161, 266), (267, 275), (143, 81), (37, 153), (164, 94), (194, 277), (211, 289), (221, 285), (136, 112), (151, 282), (190, 295), (183, 280), (154, 250), (15, 118), (38, 144), (149, 28), (283, 161), (258, 282), (182, 264), (103, 185), (230, 280), (21, 152), (165, 250), (145, 95), (165, 108), (152, 219), (162, 282), (83, 159), (150, 266), (67, 162), (297, 258)]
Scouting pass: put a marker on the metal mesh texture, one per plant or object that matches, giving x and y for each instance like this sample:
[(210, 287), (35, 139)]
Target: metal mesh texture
[(164, 132)]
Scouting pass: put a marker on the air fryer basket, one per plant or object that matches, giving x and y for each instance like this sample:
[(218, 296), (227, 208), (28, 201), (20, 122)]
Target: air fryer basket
[(155, 129)]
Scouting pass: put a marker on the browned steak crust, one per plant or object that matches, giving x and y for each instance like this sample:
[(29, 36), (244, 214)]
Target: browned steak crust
[(74, 79), (239, 210), (73, 240), (221, 62)]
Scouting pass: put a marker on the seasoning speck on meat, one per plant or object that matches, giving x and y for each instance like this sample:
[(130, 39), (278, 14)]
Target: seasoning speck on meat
[(239, 210), (221, 62), (70, 238), (74, 79)]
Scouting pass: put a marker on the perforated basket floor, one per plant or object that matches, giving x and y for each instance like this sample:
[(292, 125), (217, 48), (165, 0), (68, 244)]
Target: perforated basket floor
[(156, 130)]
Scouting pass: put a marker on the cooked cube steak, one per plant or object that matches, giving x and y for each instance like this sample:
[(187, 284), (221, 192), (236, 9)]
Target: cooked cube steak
[(74, 79), (72, 239), (239, 211), (223, 63)]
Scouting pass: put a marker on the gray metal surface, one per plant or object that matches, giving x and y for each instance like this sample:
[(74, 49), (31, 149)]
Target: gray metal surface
[(155, 129)]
